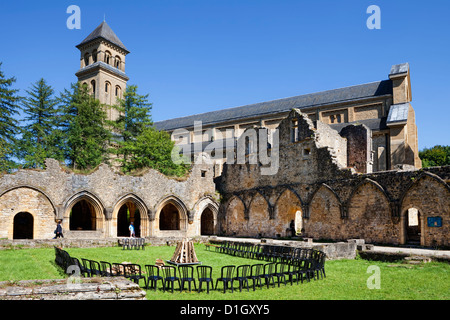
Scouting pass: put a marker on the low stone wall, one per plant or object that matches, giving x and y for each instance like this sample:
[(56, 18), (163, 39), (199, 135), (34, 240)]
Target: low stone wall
[(334, 251), (117, 288), (88, 243), (61, 243)]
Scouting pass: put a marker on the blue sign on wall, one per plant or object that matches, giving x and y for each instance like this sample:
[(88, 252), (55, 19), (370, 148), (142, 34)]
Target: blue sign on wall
[(434, 221)]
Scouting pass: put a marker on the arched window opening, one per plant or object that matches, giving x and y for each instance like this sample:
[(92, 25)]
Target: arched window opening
[(169, 218), (93, 87), (128, 213), (82, 216), (86, 59), (107, 57), (94, 56), (207, 222), (107, 86), (117, 62), (118, 92), (23, 226)]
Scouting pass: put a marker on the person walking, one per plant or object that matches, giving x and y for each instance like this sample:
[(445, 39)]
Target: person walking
[(131, 228), (58, 231)]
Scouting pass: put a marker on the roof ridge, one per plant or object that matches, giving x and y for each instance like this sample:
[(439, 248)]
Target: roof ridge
[(277, 100)]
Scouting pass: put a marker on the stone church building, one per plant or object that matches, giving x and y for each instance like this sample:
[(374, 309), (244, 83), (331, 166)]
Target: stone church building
[(346, 166)]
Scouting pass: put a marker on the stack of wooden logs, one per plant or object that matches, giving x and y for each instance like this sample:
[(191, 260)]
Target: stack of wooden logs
[(184, 253)]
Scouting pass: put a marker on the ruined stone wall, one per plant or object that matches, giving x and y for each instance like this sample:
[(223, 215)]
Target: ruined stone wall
[(336, 203), (49, 195)]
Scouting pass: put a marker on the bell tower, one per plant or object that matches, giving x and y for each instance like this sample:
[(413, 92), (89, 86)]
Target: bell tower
[(102, 66)]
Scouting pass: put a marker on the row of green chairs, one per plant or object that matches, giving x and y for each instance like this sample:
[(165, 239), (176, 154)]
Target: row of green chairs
[(276, 253)]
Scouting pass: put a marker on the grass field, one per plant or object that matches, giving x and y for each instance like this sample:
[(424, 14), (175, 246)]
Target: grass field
[(346, 279)]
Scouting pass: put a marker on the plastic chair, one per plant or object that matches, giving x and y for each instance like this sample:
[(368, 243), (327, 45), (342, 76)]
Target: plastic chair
[(290, 271), (318, 266), (303, 269), (256, 273), (269, 272), (204, 275), (242, 274), (280, 268), (77, 262), (186, 274), (170, 276), (141, 243), (86, 266), (134, 273), (152, 275), (106, 269), (95, 268), (226, 276), (125, 243)]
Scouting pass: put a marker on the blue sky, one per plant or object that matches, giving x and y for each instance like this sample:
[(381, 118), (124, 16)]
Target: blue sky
[(197, 56)]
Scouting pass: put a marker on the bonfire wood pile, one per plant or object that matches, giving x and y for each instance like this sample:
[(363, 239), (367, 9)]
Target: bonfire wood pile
[(184, 253)]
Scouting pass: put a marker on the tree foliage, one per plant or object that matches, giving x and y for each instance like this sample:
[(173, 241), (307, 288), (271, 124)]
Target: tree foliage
[(435, 156), (140, 145), (152, 149), (9, 125), (41, 137), (74, 128), (85, 128)]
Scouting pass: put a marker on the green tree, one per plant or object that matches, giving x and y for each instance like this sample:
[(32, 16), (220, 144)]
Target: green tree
[(41, 137), (153, 149), (9, 126), (140, 145), (435, 156), (84, 124), (134, 117)]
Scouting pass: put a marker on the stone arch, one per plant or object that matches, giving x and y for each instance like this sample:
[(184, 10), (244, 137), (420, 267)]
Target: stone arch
[(234, 222), (259, 222), (324, 215), (31, 200), (23, 226), (138, 215), (86, 59), (171, 215), (108, 57), (87, 205), (288, 207), (430, 195), (207, 216), (117, 62), (369, 214), (93, 87), (94, 56)]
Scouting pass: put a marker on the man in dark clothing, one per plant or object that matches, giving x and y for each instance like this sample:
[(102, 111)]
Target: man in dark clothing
[(58, 231)]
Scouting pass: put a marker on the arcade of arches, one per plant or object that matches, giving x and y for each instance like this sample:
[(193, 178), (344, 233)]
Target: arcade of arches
[(364, 210)]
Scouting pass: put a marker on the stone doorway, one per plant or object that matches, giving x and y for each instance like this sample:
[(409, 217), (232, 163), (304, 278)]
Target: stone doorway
[(82, 216), (128, 213), (169, 218), (412, 226), (23, 226), (207, 222)]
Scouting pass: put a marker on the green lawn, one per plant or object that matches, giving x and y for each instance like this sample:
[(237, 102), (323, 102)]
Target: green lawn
[(346, 279)]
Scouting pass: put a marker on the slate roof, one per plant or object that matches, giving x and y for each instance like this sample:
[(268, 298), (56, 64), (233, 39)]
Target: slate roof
[(281, 105), (399, 69), (398, 113), (104, 31)]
